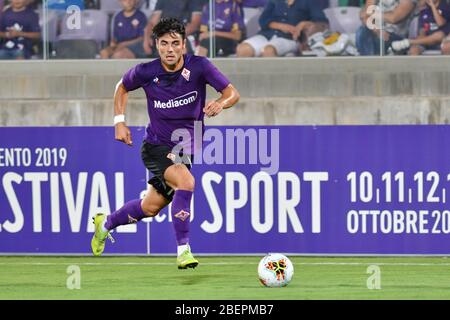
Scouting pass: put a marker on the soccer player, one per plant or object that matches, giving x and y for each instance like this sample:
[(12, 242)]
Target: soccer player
[(175, 86)]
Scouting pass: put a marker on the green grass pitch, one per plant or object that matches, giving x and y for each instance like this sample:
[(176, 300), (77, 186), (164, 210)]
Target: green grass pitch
[(228, 278)]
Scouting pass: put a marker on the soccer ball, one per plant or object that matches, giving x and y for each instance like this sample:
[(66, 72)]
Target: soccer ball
[(275, 270)]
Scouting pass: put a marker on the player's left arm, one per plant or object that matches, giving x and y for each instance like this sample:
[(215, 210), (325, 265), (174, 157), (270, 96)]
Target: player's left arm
[(230, 96), (438, 17), (29, 35), (33, 30), (194, 25), (401, 12)]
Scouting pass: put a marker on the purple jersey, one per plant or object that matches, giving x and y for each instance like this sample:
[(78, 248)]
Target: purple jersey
[(228, 17), (129, 28), (175, 100), (427, 22), (27, 21)]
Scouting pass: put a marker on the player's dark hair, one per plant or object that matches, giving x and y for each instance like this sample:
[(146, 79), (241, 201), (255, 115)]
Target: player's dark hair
[(169, 25)]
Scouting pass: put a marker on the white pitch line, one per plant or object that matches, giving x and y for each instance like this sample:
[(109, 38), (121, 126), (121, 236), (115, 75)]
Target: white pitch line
[(220, 263)]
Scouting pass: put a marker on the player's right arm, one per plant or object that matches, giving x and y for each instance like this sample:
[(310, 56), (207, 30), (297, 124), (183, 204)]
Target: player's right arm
[(400, 12), (122, 132), (133, 79)]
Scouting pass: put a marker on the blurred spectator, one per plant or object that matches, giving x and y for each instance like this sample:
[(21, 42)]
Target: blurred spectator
[(92, 4), (64, 4), (445, 45), (187, 11), (283, 22), (128, 32), (229, 24), (18, 27), (34, 4), (253, 3), (1, 9), (147, 5), (351, 3), (433, 27), (397, 15)]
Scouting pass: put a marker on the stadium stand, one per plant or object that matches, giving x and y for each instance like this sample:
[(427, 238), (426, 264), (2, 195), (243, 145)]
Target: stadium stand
[(414, 32), (52, 23), (251, 20), (147, 7), (343, 19), (110, 6), (80, 42)]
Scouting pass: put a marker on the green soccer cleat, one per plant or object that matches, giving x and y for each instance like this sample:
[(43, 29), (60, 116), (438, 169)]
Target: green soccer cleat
[(99, 237), (186, 260)]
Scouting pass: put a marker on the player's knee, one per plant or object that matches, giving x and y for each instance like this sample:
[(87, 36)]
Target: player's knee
[(104, 54), (123, 53), (150, 210), (415, 51), (269, 51), (445, 47), (244, 50), (187, 184), (118, 54)]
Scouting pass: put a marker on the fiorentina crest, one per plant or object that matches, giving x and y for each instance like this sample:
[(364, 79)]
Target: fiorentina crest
[(186, 74), (182, 215)]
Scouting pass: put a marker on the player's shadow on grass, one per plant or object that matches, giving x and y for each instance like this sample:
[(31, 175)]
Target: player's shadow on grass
[(194, 279)]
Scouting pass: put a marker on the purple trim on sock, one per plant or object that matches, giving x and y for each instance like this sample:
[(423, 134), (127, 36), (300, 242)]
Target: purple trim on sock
[(131, 212)]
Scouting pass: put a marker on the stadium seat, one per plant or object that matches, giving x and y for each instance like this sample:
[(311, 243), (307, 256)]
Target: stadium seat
[(52, 24), (94, 26), (343, 19), (76, 49), (251, 20), (333, 3), (93, 31)]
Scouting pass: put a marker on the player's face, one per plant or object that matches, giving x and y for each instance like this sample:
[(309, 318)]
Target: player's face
[(18, 4), (170, 48), (128, 5)]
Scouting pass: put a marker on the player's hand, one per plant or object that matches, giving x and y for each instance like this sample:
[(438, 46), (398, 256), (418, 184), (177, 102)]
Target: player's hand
[(430, 3), (122, 133), (386, 35), (203, 36), (16, 33), (213, 108), (299, 28), (12, 34)]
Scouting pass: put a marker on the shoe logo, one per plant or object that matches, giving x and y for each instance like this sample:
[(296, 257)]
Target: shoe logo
[(131, 219), (182, 215)]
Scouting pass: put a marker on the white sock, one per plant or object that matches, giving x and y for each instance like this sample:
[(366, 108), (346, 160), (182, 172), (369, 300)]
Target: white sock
[(182, 248), (103, 226)]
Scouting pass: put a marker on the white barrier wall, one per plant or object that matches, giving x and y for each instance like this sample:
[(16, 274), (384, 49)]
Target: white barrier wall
[(390, 90)]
